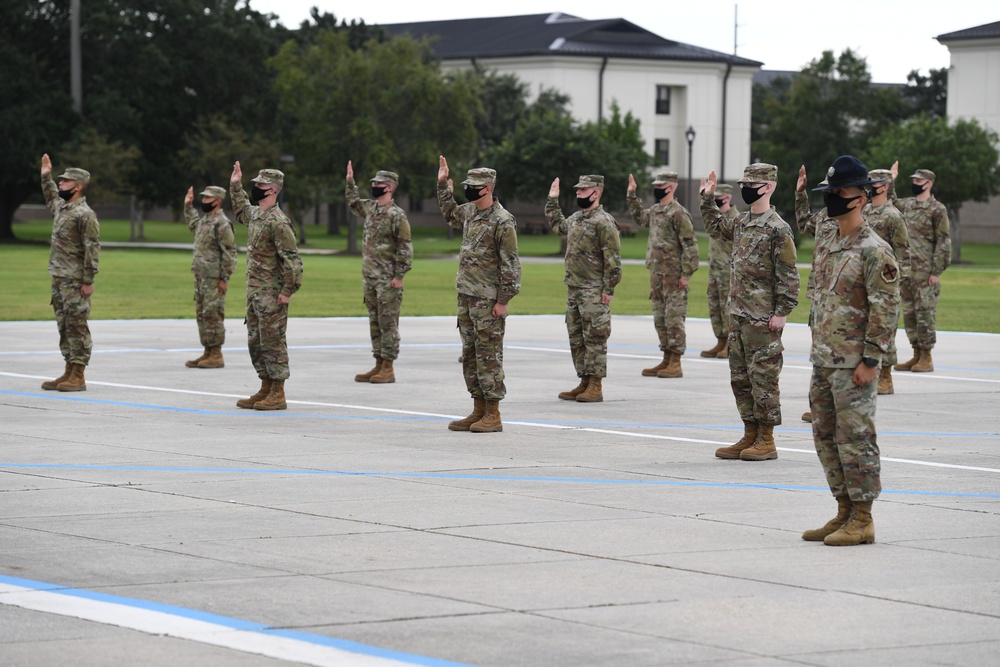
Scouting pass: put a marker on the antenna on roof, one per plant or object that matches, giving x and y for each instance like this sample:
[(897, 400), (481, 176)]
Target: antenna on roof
[(736, 24)]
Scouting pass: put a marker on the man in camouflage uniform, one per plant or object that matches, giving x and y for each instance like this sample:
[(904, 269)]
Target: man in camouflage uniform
[(274, 274), (671, 257), (855, 310), (886, 221), (489, 276), (214, 261), (764, 290), (720, 254), (929, 233), (73, 258), (593, 269), (386, 256)]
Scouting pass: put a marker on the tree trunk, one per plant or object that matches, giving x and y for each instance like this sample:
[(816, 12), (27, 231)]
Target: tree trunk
[(352, 233), (956, 236)]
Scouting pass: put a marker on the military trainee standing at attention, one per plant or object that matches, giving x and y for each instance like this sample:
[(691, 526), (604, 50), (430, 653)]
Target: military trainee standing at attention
[(489, 276), (74, 253), (929, 233), (671, 257), (386, 257), (855, 310), (765, 289), (593, 269), (720, 254), (214, 261), (274, 274)]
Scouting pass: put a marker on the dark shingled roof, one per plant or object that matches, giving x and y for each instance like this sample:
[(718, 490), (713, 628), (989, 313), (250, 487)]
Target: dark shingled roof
[(554, 34), (979, 32)]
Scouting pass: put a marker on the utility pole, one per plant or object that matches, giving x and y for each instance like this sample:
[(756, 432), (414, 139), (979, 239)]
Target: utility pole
[(75, 68)]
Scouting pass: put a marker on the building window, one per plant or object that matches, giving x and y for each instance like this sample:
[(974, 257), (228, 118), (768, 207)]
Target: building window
[(663, 100), (662, 152)]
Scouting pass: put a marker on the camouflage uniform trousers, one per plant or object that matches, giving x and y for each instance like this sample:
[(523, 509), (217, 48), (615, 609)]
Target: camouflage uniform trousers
[(919, 301), (588, 323), (383, 303), (210, 310), (482, 347), (72, 310), (755, 361), (844, 432), (670, 304), (718, 297), (266, 322)]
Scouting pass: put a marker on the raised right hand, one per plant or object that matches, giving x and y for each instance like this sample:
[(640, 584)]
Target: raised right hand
[(350, 172), (554, 189), (631, 184), (237, 176), (442, 169), (189, 197), (708, 184), (800, 185), (46, 165)]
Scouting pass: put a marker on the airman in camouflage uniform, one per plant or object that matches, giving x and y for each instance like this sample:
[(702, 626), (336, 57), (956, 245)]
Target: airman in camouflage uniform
[(764, 290), (929, 233), (274, 274), (386, 256), (214, 261), (671, 257), (593, 269), (73, 258), (489, 276), (720, 253), (855, 310)]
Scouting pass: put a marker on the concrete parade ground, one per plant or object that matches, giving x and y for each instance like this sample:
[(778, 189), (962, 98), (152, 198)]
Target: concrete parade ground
[(149, 521)]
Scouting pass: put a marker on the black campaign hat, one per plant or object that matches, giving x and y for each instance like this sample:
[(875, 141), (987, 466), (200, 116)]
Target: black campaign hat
[(847, 171)]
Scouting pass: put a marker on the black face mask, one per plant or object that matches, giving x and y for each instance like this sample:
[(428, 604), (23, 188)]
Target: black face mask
[(659, 193), (836, 205), (208, 207), (584, 202), (378, 191), (917, 189), (720, 202), (66, 194), (750, 195), (257, 194), (474, 193)]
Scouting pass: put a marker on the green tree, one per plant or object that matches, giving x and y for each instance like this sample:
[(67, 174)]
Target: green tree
[(112, 164), (212, 145), (927, 95), (963, 155)]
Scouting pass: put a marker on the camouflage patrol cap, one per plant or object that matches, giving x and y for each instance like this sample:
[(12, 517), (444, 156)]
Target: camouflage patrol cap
[(758, 172), (590, 181), (75, 174), (214, 191), (926, 174), (481, 176), (384, 176), (270, 177), (723, 189), (665, 177), (880, 174)]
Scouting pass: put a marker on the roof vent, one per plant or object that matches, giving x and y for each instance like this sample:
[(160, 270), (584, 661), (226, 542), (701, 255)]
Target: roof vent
[(557, 43), (559, 17)]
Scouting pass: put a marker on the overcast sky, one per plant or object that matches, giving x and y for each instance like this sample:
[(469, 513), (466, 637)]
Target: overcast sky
[(895, 36)]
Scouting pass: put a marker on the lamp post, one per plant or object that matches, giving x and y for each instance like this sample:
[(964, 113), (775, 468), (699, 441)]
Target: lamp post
[(690, 134)]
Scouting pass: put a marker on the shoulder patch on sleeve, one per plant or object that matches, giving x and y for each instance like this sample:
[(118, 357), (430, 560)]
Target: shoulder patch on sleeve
[(787, 254), (890, 273)]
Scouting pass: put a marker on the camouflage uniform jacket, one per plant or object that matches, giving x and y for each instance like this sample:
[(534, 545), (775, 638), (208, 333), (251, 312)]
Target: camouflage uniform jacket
[(488, 264), (387, 248), (812, 224), (593, 246), (720, 251), (856, 305), (888, 223), (764, 281), (75, 245), (672, 249), (930, 235), (214, 244), (272, 257)]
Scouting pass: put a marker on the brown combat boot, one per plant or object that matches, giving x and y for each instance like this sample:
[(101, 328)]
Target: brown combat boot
[(54, 384), (366, 377), (844, 506), (478, 411), (651, 372), (193, 363), (908, 365), (673, 369), (75, 381), (712, 351), (593, 393), (214, 359), (265, 389), (885, 381), (807, 416), (576, 391), (275, 399), (859, 529), (490, 421), (926, 363), (385, 374), (724, 352), (763, 448), (733, 451)]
